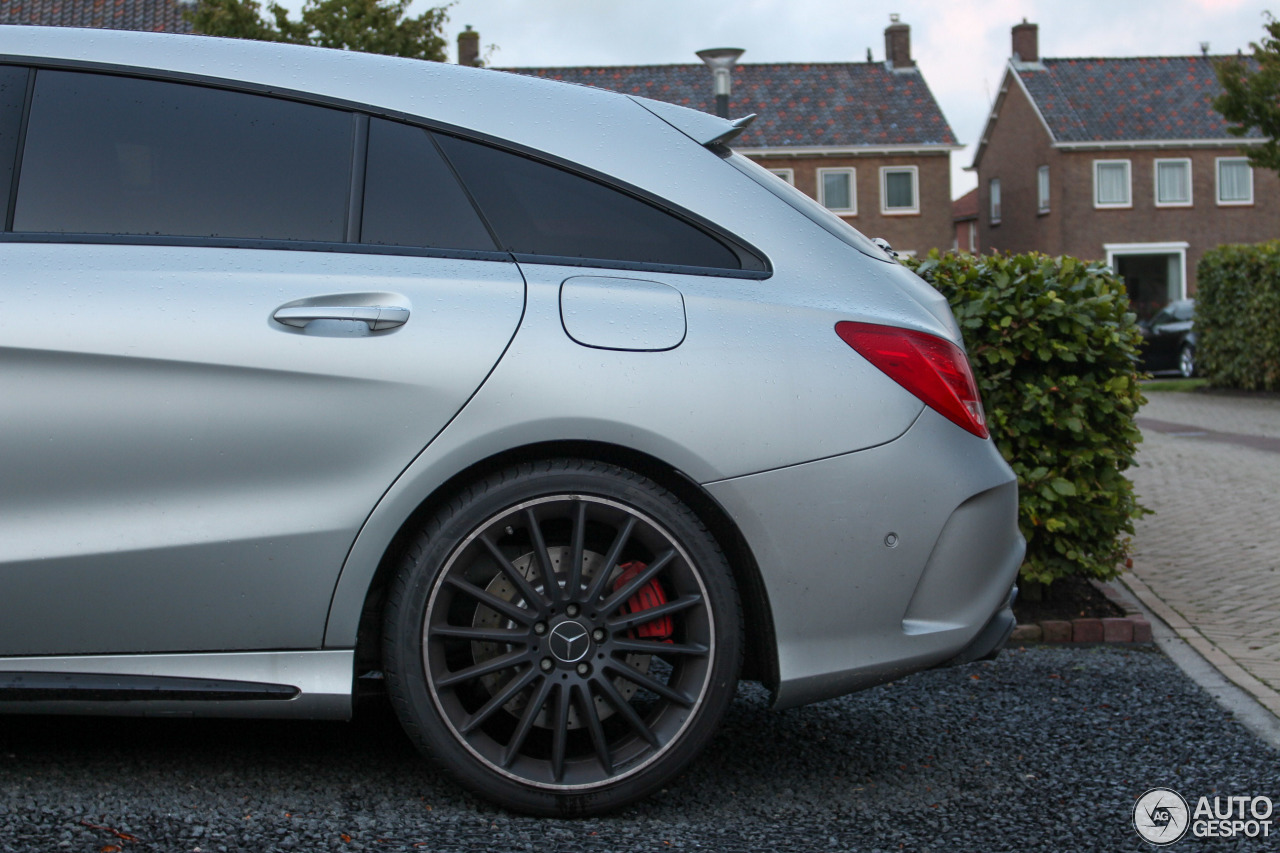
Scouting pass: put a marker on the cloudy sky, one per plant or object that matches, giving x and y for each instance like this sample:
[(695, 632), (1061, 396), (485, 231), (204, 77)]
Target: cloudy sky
[(960, 45)]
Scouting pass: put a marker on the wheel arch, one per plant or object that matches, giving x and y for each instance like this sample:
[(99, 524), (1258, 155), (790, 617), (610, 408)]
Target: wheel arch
[(760, 648)]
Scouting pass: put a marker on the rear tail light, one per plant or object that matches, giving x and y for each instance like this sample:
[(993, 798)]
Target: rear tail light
[(935, 370)]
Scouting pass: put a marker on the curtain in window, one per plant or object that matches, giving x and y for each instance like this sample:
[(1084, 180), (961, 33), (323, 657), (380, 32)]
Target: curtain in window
[(899, 190), (1042, 182), (1173, 183), (995, 199), (1113, 183), (836, 191), (1233, 181)]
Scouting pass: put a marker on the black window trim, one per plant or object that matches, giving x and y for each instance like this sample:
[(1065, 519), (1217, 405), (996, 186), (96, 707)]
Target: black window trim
[(249, 243), (637, 266), (359, 167), (744, 251), (12, 200)]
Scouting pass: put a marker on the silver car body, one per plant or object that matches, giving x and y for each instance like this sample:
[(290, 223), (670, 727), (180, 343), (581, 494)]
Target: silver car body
[(188, 488)]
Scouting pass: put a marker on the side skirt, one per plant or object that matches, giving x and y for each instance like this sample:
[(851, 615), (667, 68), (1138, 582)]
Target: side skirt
[(307, 684)]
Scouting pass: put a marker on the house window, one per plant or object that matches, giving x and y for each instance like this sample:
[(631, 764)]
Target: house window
[(899, 190), (788, 175), (973, 236), (995, 201), (1173, 183), (835, 190), (1235, 181), (1111, 183), (1042, 189)]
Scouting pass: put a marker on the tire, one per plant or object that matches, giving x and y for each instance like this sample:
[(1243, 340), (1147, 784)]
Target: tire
[(573, 697), (1187, 361)]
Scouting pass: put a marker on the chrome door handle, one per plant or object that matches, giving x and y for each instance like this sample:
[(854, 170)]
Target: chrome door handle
[(378, 317)]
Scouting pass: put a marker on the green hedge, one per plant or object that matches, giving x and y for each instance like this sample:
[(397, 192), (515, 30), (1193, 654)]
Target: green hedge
[(1238, 316), (1053, 347)]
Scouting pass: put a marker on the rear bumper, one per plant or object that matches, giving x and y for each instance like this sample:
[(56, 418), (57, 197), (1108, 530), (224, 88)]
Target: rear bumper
[(992, 638), (882, 562)]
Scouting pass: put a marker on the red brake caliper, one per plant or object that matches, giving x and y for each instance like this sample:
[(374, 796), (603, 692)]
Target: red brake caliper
[(647, 597)]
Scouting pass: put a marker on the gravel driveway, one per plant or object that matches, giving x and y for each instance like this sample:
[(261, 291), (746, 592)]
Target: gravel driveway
[(1044, 749)]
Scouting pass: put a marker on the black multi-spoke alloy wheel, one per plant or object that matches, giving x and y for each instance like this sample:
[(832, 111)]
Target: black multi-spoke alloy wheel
[(563, 636)]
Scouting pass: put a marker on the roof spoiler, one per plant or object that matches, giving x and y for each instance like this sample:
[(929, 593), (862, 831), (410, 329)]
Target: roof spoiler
[(702, 128)]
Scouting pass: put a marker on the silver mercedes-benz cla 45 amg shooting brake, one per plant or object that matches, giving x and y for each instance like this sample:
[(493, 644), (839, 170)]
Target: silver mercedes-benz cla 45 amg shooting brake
[(534, 399)]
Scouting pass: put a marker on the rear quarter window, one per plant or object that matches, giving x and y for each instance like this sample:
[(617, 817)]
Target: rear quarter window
[(119, 155), (538, 209)]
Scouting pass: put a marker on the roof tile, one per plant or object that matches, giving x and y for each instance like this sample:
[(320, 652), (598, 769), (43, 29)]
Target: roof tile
[(146, 15), (1128, 99), (798, 104)]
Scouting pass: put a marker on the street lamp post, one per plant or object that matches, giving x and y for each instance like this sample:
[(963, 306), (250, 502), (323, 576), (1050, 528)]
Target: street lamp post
[(721, 61)]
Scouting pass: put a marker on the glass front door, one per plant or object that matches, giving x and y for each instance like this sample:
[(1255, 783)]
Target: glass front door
[(1152, 280)]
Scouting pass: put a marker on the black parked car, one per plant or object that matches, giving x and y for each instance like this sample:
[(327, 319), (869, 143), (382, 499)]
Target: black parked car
[(1169, 339)]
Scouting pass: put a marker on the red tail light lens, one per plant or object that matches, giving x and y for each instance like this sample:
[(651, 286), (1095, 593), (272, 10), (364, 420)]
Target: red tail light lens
[(935, 370)]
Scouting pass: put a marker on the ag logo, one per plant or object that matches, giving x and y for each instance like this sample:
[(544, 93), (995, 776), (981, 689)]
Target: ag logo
[(1161, 816)]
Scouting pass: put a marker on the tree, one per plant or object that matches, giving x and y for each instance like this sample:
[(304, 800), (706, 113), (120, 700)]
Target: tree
[(1251, 96), (370, 26)]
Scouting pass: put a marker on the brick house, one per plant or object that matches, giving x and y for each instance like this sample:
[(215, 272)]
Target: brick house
[(964, 214), (867, 139), (153, 16), (1122, 160)]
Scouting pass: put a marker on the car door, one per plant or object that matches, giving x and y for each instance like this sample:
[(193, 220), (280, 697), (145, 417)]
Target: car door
[(220, 343)]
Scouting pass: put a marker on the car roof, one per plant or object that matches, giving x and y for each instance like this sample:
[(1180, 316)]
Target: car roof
[(544, 115)]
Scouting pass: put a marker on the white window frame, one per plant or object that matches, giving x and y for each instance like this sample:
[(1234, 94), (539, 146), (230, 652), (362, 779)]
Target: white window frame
[(973, 236), (1042, 189), (1179, 249), (1217, 182), (1155, 179), (788, 175), (1128, 173), (885, 210), (852, 209), (994, 198)]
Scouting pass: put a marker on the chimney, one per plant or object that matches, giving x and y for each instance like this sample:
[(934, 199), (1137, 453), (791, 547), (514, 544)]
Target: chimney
[(468, 47), (1026, 42), (897, 44)]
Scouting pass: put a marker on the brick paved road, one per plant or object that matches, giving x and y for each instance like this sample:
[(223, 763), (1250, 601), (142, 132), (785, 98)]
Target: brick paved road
[(1208, 561)]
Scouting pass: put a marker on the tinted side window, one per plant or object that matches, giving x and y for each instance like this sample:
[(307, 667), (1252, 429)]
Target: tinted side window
[(13, 91), (411, 197), (117, 155), (539, 209)]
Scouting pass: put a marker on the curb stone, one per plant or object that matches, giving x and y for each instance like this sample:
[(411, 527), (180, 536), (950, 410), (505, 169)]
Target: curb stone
[(1131, 628)]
